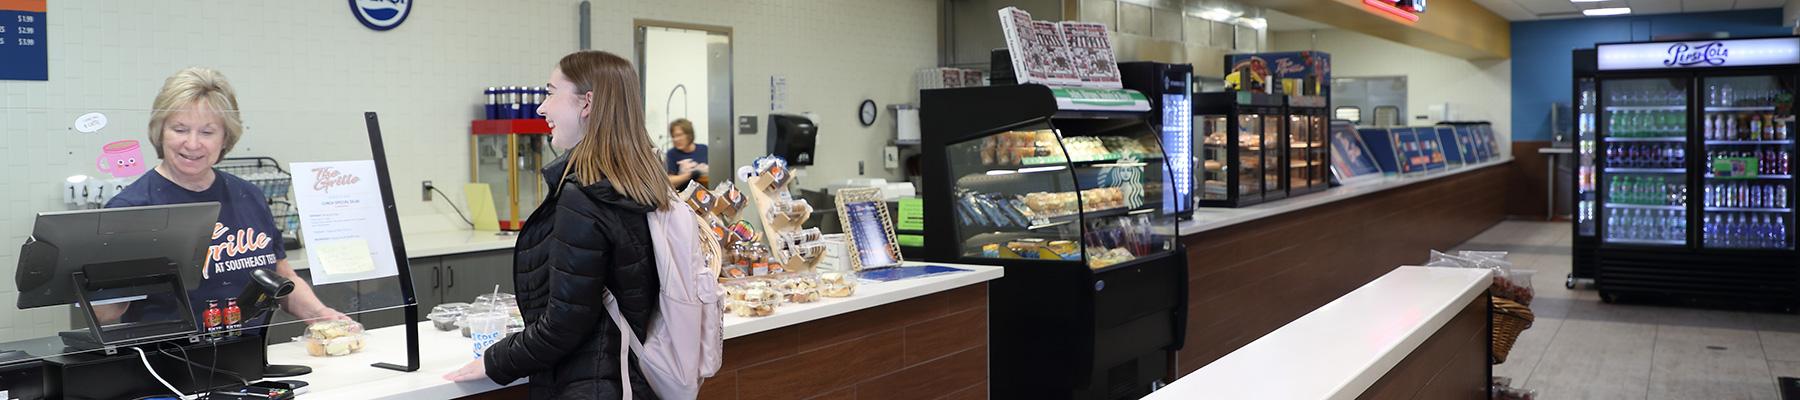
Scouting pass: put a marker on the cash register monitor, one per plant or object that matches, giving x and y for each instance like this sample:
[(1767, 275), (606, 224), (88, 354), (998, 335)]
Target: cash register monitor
[(84, 256)]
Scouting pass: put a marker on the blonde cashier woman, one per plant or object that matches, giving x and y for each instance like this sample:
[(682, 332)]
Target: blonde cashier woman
[(194, 124), (590, 237)]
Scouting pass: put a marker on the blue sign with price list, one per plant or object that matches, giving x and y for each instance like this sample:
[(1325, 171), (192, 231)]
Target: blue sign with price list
[(22, 46)]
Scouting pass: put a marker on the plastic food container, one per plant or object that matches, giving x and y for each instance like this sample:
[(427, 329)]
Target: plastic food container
[(837, 284), (332, 338), (445, 316), (751, 298), (505, 299), (798, 287)]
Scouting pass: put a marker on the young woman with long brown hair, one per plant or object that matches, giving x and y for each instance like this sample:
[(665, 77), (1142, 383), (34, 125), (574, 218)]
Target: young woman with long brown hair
[(588, 238)]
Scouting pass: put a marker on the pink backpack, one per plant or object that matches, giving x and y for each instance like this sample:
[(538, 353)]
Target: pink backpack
[(685, 342)]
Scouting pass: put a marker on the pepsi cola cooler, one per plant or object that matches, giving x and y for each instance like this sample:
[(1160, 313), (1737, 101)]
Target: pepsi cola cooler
[(1692, 181)]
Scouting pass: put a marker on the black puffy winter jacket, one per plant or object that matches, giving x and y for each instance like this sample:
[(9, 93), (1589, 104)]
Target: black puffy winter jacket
[(579, 241)]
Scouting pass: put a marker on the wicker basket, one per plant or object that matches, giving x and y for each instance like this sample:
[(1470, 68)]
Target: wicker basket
[(1510, 318)]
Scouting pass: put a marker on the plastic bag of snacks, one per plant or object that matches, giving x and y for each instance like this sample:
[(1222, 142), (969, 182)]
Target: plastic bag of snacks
[(751, 297), (1439, 259), (1515, 285), (332, 338), (837, 284)]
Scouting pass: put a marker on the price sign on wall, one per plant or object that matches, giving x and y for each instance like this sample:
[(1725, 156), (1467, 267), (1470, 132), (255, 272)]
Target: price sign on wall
[(22, 44)]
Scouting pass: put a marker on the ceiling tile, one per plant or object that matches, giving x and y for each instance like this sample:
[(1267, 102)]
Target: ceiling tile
[(1705, 5), (1507, 9), (1756, 4), (1548, 6), (1646, 7)]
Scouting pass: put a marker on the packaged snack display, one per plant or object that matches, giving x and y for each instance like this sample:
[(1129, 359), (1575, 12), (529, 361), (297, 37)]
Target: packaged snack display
[(332, 338), (444, 316), (751, 298), (837, 284), (798, 287)]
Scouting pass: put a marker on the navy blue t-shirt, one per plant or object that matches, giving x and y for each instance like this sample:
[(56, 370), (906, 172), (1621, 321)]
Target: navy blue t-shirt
[(672, 159), (245, 238)]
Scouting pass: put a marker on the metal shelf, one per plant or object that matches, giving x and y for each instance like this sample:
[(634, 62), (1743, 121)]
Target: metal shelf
[(1710, 176), (1645, 207), (1750, 209), (1644, 170), (1647, 241), (1748, 108), (1646, 108), (1647, 139), (1746, 142)]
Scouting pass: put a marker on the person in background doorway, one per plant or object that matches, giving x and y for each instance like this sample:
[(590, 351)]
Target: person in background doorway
[(686, 161)]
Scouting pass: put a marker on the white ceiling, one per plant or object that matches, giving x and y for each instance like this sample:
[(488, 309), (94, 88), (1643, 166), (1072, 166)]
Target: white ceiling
[(1526, 10)]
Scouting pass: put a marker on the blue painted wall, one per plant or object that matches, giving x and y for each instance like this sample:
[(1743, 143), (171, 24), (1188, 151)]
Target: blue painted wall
[(1542, 71)]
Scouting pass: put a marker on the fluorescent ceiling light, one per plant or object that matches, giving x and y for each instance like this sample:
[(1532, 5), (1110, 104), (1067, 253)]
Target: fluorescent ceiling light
[(1254, 23), (1218, 14), (1586, 1), (1607, 11)]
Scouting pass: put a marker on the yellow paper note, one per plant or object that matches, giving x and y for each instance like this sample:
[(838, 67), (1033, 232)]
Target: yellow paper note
[(343, 257), (480, 199)]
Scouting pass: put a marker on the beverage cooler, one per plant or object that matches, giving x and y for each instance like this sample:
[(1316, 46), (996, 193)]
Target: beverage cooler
[(1586, 241), (1692, 160)]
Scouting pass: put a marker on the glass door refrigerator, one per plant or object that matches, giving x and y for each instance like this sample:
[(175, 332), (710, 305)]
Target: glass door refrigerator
[(1693, 170), (1586, 106)]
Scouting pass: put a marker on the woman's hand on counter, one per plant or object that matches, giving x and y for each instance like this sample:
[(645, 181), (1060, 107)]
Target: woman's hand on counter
[(472, 371)]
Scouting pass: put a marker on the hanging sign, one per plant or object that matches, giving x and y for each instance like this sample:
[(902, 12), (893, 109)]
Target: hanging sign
[(22, 46), (1699, 54)]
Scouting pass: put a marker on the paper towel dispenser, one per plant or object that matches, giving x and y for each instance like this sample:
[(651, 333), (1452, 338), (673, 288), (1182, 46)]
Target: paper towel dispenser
[(792, 137)]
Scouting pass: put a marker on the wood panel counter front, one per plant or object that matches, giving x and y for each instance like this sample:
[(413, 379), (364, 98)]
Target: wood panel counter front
[(1248, 279), (915, 338)]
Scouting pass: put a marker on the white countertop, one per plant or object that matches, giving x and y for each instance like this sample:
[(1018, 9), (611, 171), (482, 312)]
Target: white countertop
[(351, 377), (436, 243), (1210, 218), (1340, 349)]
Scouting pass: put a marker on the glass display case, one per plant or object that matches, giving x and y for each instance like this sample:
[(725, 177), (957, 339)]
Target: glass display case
[(1066, 197), (1091, 193), (1242, 155), (1308, 155)]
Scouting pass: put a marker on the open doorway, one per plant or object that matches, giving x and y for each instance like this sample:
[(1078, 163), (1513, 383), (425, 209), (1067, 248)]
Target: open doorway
[(686, 74)]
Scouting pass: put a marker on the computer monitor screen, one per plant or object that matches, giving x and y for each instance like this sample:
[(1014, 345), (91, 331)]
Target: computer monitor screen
[(102, 242)]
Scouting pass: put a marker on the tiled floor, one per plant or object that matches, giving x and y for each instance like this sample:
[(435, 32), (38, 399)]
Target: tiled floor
[(1580, 348)]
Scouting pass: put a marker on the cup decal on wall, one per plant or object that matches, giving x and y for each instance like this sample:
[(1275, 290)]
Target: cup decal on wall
[(122, 159)]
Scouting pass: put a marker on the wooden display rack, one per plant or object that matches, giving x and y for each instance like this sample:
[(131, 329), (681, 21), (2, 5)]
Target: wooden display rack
[(764, 191)]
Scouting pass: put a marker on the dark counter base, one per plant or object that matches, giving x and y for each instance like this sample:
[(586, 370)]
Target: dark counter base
[(1249, 279), (924, 348), (1450, 365)]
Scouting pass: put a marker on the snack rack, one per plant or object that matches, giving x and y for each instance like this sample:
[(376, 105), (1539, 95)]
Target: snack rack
[(276, 184)]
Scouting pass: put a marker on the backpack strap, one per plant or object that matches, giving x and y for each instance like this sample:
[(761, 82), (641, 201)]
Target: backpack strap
[(625, 335)]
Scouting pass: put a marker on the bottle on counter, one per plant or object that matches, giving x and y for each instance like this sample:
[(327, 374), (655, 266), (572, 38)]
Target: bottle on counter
[(214, 318)]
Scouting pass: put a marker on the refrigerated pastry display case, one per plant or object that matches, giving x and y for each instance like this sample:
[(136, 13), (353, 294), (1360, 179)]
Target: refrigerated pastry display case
[(1308, 156), (1066, 197), (1242, 148), (1692, 173)]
